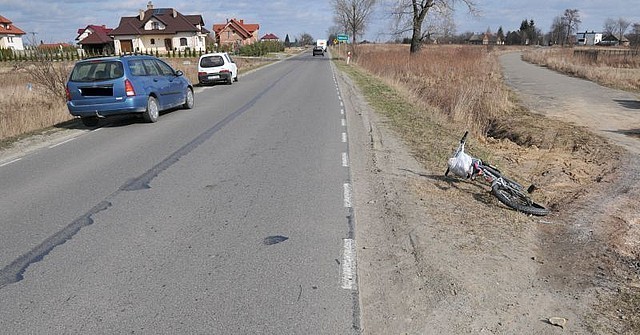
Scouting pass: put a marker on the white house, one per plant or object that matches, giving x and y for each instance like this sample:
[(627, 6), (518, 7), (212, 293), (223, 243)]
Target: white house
[(588, 38), (10, 35), (161, 29)]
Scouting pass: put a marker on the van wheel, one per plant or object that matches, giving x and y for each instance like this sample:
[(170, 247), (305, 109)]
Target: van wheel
[(152, 112)]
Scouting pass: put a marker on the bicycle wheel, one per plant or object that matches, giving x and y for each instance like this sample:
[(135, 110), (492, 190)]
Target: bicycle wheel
[(517, 201)]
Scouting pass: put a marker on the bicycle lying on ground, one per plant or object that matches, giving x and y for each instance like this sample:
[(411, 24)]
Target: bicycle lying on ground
[(506, 190)]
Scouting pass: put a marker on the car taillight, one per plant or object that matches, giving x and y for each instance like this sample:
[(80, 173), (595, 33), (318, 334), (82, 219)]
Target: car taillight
[(68, 93), (128, 88), (224, 71), (202, 73)]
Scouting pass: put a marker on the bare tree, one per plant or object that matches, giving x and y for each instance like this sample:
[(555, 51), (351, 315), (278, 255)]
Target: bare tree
[(617, 27), (305, 39), (556, 34), (635, 35), (411, 14), (352, 15), (571, 21)]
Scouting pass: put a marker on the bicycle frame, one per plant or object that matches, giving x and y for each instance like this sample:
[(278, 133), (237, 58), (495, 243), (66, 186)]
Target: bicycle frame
[(506, 190)]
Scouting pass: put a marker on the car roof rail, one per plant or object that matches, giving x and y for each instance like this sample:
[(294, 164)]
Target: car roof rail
[(92, 57)]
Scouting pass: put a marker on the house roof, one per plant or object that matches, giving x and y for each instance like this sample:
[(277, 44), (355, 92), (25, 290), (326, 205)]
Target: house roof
[(614, 38), (99, 35), (174, 23), (245, 30), (10, 29), (270, 36), (476, 37), (53, 45)]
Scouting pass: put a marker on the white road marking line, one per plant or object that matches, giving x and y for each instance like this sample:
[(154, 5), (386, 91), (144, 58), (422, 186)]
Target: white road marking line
[(342, 111), (344, 137), (9, 162), (349, 264), (347, 195), (344, 122), (345, 159), (61, 143), (341, 104)]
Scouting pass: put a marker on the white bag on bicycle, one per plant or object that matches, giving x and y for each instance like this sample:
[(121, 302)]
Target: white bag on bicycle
[(460, 165)]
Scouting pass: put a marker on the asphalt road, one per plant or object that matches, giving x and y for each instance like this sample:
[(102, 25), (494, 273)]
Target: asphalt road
[(609, 112), (231, 218)]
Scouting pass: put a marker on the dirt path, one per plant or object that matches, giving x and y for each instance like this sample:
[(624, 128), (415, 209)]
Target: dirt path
[(442, 257)]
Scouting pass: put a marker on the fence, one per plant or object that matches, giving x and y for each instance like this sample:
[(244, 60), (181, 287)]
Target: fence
[(71, 53)]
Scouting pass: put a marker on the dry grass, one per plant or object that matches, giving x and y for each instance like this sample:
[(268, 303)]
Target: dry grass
[(462, 83), (602, 66), (23, 110)]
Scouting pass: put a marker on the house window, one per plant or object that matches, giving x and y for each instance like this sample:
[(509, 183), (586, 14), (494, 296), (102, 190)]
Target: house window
[(183, 42), (153, 41), (155, 26), (10, 39)]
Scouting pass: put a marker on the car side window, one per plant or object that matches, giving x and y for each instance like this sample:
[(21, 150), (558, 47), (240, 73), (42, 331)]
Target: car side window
[(137, 68), (165, 69), (150, 67)]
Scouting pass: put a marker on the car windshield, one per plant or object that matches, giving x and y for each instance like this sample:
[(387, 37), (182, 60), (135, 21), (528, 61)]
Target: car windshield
[(98, 70), (211, 61)]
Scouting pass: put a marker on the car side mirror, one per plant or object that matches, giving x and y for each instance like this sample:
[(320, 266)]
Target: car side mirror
[(179, 73)]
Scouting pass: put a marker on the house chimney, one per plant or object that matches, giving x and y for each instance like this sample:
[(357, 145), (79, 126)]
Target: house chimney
[(175, 13), (241, 21), (141, 14), (149, 5)]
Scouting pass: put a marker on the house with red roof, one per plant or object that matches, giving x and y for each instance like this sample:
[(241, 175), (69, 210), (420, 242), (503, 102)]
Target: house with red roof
[(10, 35), (270, 37), (236, 33), (96, 39), (54, 47), (159, 29)]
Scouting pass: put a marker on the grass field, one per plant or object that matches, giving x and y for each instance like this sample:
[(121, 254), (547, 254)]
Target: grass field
[(616, 68)]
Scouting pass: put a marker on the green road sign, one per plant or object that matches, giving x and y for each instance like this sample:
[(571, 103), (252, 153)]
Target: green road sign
[(343, 37)]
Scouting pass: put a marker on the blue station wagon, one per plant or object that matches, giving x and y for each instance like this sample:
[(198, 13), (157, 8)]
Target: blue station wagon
[(130, 84)]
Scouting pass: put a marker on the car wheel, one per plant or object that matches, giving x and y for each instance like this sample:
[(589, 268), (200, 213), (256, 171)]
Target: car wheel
[(189, 102), (229, 81), (235, 78), (152, 112), (90, 121)]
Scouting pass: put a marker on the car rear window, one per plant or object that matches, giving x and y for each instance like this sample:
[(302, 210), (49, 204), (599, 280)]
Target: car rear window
[(211, 61), (97, 71)]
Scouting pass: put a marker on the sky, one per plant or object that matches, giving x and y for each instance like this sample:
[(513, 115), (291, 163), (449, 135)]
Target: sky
[(59, 20)]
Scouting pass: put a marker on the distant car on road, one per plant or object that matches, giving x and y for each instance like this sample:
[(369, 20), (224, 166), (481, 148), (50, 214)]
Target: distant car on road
[(217, 67), (130, 84), (318, 50)]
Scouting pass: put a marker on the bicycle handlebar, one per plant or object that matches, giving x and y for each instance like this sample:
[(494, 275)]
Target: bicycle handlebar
[(464, 137)]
